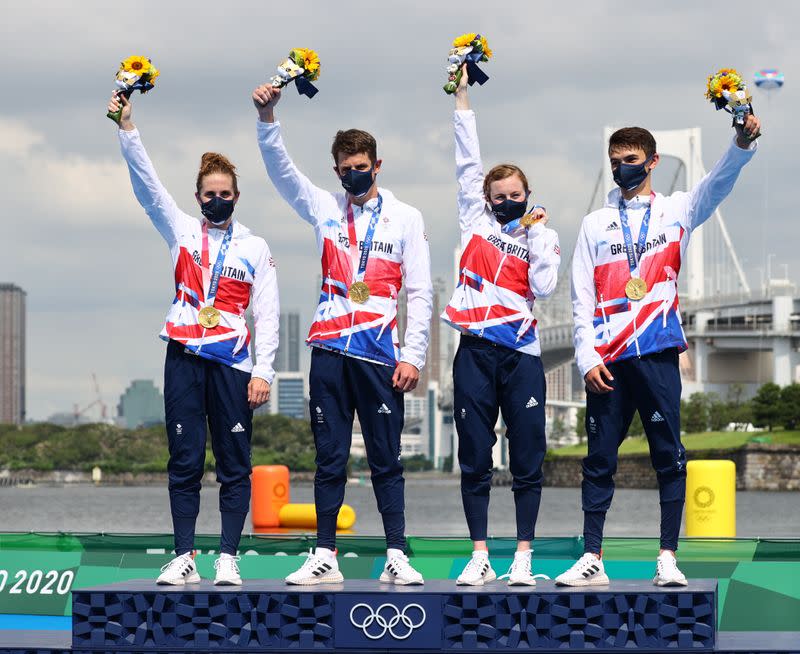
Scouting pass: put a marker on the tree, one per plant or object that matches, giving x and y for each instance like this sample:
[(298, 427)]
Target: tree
[(767, 406), (740, 411), (694, 413), (637, 427), (790, 406), (580, 424), (719, 412)]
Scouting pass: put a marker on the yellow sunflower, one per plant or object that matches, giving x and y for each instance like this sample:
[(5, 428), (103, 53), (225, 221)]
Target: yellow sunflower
[(309, 61), (486, 50), (136, 64), (154, 72), (464, 40)]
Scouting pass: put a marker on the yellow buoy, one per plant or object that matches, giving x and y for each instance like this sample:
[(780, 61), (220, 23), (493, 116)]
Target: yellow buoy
[(304, 516), (711, 499)]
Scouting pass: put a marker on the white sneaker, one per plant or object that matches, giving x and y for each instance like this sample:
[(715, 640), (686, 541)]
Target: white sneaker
[(478, 570), (181, 570), (667, 573), (320, 567), (519, 574), (399, 571), (227, 571), (587, 571)]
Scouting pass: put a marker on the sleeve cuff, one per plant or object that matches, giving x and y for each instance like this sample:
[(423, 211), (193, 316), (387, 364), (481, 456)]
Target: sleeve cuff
[(586, 365), (417, 362), (267, 374), (748, 151)]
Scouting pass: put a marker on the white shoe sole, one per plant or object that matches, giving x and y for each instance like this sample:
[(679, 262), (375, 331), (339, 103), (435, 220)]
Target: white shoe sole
[(597, 580), (670, 582), (330, 578), (522, 582), (490, 576), (389, 579), (227, 582), (193, 578)]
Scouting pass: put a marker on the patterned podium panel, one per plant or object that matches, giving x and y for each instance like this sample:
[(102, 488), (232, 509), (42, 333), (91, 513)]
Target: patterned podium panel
[(366, 615)]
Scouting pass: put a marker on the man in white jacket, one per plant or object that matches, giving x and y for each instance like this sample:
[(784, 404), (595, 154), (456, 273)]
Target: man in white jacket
[(628, 331), (370, 243)]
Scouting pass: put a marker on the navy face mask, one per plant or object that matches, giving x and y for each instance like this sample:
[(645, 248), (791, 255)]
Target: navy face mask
[(629, 176), (358, 182), (509, 210), (217, 210)]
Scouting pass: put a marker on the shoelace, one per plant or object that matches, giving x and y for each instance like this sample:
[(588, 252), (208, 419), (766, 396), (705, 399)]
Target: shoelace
[(524, 561), (667, 566), (232, 561), (176, 562), (582, 563), (475, 564), (401, 565)]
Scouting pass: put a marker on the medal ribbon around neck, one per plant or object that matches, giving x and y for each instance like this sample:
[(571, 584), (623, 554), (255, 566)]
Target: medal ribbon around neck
[(209, 315), (634, 255), (360, 271)]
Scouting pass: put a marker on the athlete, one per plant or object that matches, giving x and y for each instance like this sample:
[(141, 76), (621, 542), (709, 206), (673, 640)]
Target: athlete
[(221, 268), (509, 258), (370, 244), (628, 331)]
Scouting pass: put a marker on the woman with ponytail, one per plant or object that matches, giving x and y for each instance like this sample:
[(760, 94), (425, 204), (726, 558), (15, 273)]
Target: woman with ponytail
[(210, 381)]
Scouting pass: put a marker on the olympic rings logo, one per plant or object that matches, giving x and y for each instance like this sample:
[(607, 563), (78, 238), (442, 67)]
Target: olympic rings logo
[(387, 618)]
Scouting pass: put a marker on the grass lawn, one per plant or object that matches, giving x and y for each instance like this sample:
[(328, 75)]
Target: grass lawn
[(710, 440)]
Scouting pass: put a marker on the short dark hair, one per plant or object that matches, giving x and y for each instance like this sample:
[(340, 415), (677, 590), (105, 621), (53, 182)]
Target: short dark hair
[(633, 137), (354, 141)]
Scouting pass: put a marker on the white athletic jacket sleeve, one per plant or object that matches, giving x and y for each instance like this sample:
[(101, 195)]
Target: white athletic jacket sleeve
[(469, 171), (545, 258), (266, 313), (309, 201), (149, 191), (583, 302), (419, 290), (715, 186)]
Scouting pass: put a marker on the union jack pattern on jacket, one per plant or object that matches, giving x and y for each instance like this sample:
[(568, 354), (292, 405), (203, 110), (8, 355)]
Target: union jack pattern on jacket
[(500, 274), (248, 271), (610, 327), (399, 254)]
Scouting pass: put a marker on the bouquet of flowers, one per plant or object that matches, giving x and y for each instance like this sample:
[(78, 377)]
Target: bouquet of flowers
[(470, 49), (727, 90), (135, 74), (300, 67)]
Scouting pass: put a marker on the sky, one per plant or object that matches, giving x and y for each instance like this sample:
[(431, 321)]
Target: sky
[(97, 274)]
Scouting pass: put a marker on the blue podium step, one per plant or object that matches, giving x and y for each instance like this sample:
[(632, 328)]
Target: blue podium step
[(359, 615)]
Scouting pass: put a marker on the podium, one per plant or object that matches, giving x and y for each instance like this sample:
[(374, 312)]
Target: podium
[(365, 615)]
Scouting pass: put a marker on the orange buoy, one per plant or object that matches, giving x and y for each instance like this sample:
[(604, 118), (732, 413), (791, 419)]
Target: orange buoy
[(270, 492)]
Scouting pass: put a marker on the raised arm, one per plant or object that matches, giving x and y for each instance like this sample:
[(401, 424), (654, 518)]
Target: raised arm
[(148, 189), (469, 169), (710, 191), (309, 201)]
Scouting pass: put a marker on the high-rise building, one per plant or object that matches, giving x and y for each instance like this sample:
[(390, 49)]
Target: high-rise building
[(287, 358), (433, 359), (12, 354), (289, 395), (141, 405)]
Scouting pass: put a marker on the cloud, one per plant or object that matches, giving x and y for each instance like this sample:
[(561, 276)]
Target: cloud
[(98, 275)]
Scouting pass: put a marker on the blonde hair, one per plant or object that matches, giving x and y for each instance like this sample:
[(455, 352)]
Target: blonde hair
[(502, 171)]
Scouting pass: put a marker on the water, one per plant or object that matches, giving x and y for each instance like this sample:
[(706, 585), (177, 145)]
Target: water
[(433, 508)]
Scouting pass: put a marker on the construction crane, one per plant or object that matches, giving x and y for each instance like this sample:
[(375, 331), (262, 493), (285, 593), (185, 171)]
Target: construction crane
[(79, 412)]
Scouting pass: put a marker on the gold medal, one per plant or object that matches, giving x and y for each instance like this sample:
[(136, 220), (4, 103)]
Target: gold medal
[(208, 317), (528, 220), (636, 288), (359, 292)]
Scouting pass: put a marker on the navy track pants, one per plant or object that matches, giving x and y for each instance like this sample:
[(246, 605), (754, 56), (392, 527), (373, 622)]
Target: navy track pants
[(488, 378), (200, 394), (340, 387), (651, 385)]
